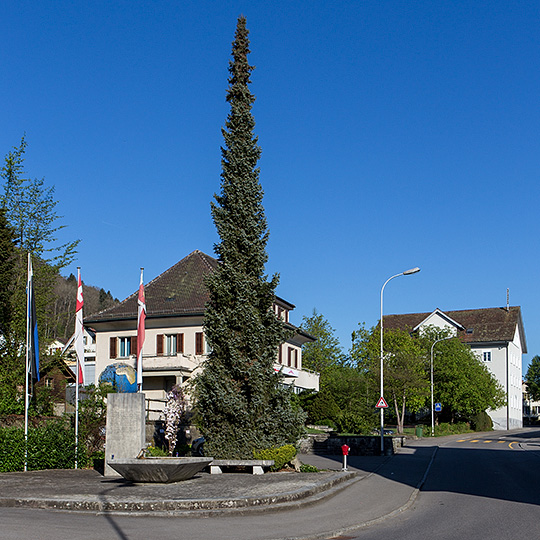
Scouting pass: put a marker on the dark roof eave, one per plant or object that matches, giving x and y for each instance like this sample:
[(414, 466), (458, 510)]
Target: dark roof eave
[(158, 315)]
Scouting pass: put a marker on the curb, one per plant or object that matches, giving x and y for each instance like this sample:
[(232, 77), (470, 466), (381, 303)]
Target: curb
[(193, 508)]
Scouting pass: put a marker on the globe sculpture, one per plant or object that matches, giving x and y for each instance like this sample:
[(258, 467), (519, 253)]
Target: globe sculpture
[(122, 376)]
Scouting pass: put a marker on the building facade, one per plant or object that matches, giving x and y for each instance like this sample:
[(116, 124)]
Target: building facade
[(497, 337), (175, 343)]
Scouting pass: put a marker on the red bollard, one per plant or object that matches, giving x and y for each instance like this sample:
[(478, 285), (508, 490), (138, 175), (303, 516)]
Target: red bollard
[(345, 450)]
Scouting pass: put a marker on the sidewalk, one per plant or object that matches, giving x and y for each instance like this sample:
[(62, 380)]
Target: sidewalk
[(276, 505)]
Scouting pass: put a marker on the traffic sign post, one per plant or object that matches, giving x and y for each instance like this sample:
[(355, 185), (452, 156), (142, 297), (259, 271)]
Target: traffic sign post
[(381, 404)]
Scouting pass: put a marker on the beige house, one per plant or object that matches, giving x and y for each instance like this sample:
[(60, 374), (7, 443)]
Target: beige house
[(496, 335), (175, 343)]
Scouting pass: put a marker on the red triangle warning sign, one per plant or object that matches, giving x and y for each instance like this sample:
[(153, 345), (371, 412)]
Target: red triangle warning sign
[(381, 404)]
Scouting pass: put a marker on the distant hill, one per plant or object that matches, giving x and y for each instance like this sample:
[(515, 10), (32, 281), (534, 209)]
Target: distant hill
[(65, 291)]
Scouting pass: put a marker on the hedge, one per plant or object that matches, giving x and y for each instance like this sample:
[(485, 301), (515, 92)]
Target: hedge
[(50, 446)]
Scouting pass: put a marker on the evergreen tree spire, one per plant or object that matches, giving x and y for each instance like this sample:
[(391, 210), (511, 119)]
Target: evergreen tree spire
[(239, 403), (7, 261)]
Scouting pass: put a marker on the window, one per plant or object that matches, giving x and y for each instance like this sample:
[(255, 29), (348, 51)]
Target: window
[(199, 343), (292, 360), (170, 345), (124, 344), (486, 356), (174, 344)]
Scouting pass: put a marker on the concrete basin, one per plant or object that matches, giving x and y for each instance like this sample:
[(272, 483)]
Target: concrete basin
[(160, 469)]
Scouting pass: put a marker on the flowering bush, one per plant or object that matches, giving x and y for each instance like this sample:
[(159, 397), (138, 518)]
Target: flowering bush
[(175, 409)]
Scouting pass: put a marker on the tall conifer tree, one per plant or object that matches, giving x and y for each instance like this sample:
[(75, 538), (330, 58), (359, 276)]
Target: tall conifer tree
[(7, 261), (239, 402)]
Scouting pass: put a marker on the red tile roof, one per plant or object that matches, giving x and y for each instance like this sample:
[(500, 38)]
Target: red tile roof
[(479, 325), (180, 290)]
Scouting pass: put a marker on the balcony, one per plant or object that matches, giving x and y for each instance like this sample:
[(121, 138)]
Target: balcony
[(176, 362)]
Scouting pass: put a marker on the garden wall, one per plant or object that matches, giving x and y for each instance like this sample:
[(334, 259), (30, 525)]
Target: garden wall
[(359, 445)]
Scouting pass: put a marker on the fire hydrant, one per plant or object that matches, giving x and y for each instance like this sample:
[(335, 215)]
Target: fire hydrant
[(345, 450)]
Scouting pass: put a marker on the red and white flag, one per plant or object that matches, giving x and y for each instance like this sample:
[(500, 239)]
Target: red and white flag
[(79, 331), (140, 331)]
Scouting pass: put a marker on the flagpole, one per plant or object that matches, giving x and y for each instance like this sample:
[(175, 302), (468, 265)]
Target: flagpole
[(77, 377), (26, 385), (79, 354), (141, 316)]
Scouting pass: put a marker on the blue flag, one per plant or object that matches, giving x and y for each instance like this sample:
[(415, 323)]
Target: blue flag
[(33, 342)]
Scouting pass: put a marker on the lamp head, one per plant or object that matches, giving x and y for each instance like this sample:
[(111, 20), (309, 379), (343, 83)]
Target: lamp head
[(411, 271)]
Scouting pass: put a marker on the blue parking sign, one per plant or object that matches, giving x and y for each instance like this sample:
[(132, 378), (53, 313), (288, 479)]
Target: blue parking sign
[(438, 407)]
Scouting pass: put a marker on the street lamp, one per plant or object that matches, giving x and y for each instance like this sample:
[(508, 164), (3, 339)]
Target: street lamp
[(432, 408), (406, 273)]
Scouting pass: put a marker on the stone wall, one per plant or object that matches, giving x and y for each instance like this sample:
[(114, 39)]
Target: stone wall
[(359, 445)]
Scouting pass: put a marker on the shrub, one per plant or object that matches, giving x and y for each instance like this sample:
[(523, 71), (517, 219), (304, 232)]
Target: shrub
[(281, 455), (155, 451), (481, 422), (305, 467), (351, 422), (449, 429), (50, 446)]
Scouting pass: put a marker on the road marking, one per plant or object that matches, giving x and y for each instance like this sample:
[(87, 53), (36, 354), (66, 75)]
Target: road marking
[(510, 444), (487, 441), (461, 440), (501, 442), (474, 440)]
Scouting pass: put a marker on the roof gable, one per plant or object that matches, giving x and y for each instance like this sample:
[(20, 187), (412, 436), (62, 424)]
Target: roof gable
[(440, 319)]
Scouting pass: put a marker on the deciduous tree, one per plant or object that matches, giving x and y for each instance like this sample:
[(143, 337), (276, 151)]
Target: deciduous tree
[(324, 354), (532, 378), (406, 385), (462, 383), (30, 209)]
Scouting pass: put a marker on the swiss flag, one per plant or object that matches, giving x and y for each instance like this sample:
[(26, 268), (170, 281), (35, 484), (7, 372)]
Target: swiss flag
[(79, 331), (140, 330)]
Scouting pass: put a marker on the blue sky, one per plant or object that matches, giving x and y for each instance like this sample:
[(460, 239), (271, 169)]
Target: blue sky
[(393, 135)]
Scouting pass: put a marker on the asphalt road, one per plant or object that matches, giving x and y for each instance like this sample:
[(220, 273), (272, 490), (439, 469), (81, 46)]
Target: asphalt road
[(484, 487)]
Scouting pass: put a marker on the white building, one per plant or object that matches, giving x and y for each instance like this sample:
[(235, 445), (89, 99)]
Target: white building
[(175, 344), (496, 335)]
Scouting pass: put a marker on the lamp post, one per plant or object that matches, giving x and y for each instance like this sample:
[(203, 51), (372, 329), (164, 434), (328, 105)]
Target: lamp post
[(432, 408), (406, 273)]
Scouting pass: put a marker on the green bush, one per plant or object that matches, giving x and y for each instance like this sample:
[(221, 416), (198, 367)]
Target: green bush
[(481, 422), (354, 423), (50, 446), (281, 455), (448, 429), (305, 467), (155, 451)]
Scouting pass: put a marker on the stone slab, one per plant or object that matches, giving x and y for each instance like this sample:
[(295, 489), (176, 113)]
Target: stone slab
[(257, 465), (160, 469), (125, 433)]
